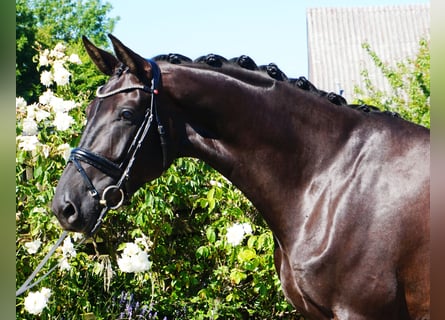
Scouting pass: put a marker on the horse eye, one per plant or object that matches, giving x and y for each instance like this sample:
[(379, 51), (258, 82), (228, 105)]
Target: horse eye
[(127, 114)]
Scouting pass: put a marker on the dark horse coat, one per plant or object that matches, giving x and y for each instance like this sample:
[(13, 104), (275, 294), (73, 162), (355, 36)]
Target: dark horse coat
[(345, 191)]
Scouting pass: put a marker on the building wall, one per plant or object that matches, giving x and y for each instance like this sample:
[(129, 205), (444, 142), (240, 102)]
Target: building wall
[(335, 38)]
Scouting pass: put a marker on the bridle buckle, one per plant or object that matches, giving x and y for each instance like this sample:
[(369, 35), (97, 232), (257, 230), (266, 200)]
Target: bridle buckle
[(106, 202)]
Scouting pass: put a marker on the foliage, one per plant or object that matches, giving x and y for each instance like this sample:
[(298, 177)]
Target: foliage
[(27, 77), (183, 222), (70, 19), (43, 23), (410, 84)]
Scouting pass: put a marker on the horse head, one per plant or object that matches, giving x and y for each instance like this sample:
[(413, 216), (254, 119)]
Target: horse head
[(122, 128)]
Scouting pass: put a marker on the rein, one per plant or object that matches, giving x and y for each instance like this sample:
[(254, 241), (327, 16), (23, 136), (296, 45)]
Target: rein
[(109, 167), (26, 285)]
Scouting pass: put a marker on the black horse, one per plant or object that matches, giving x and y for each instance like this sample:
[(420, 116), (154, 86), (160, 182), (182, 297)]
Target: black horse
[(345, 191)]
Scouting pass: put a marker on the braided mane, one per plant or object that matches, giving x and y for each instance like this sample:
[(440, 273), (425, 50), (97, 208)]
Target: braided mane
[(245, 62)]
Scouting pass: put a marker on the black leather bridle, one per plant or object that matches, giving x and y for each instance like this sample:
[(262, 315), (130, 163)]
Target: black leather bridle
[(120, 172)]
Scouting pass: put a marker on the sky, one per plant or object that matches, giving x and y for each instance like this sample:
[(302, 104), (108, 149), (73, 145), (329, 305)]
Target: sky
[(267, 31)]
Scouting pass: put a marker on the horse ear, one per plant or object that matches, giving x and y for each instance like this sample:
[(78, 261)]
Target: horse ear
[(105, 61), (137, 65)]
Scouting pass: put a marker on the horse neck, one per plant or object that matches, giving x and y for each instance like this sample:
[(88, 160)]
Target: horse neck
[(266, 137)]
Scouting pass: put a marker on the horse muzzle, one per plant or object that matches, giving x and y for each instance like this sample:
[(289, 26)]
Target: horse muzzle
[(71, 216)]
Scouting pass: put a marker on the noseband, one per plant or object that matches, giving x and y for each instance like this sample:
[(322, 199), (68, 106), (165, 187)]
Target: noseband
[(120, 172)]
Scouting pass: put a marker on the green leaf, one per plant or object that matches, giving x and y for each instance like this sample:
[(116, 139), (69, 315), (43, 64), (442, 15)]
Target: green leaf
[(263, 241), (121, 247), (210, 194), (246, 255), (202, 252), (252, 241), (97, 268), (211, 235), (38, 172), (88, 316), (211, 199), (252, 264), (236, 276)]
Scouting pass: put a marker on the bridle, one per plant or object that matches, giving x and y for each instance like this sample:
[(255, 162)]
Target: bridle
[(121, 172)]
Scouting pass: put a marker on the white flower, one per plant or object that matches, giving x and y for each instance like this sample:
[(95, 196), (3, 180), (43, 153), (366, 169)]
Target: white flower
[(65, 151), (43, 58), (46, 78), (67, 105), (39, 210), (144, 241), (215, 183), (41, 115), (35, 302), (64, 264), (46, 97), (60, 47), (28, 143), (131, 249), (33, 246), (236, 232), (61, 75), (31, 111), (77, 236), (46, 293), (67, 252), (60, 105), (247, 228), (62, 121), (74, 58), (29, 127), (68, 248), (133, 259), (141, 262), (57, 104), (46, 150), (20, 104), (58, 52), (125, 264)]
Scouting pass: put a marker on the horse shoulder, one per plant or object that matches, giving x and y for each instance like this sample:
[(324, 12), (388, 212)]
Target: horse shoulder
[(347, 247)]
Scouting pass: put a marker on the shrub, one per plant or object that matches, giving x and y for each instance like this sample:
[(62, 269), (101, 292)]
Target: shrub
[(409, 82)]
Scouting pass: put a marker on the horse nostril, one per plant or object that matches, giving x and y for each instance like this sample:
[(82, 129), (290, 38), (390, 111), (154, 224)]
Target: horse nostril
[(70, 213)]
